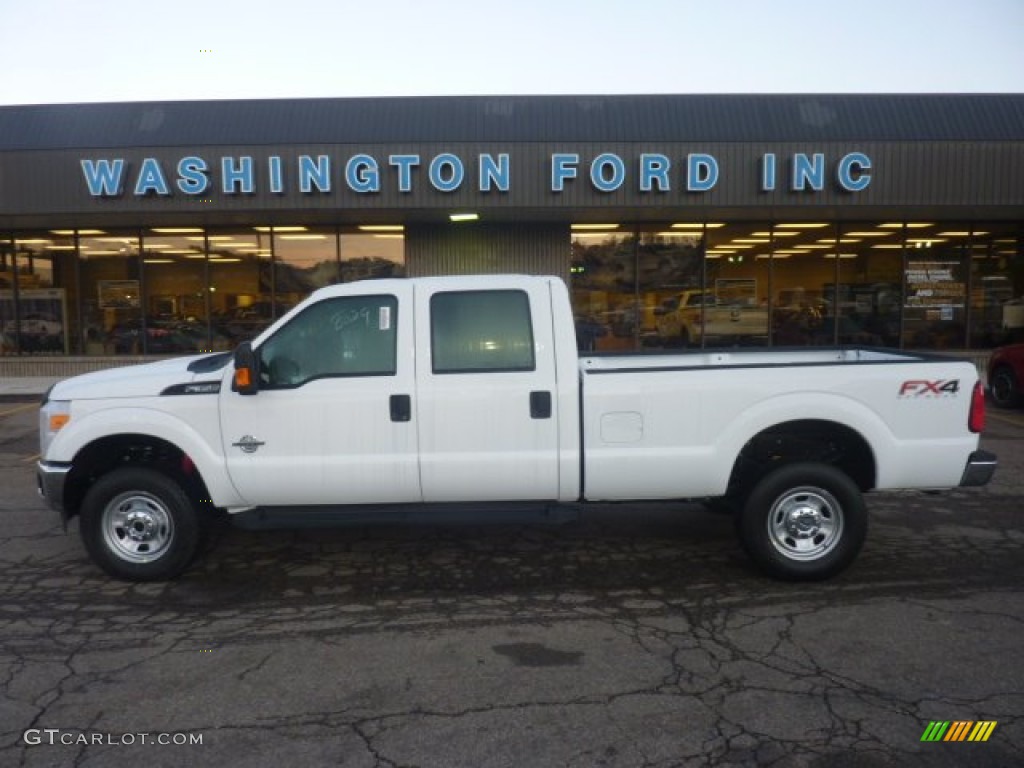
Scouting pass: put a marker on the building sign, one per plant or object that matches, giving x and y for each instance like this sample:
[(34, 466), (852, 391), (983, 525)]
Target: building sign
[(362, 173), (934, 285)]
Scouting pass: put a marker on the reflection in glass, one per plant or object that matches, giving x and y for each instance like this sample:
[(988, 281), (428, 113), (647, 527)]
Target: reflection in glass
[(870, 285), (111, 294), (33, 312), (603, 285), (669, 280), (305, 258), (997, 284), (735, 300)]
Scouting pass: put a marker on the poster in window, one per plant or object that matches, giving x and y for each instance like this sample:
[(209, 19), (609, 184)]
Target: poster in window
[(118, 294)]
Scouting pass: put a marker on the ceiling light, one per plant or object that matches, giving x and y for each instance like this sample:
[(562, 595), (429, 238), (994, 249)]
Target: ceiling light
[(70, 232), (303, 237), (755, 240), (382, 227), (962, 233), (177, 230), (464, 216), (698, 225), (909, 225), (812, 225), (280, 229), (390, 237), (158, 261), (871, 233), (31, 241), (584, 227), (60, 247), (888, 247)]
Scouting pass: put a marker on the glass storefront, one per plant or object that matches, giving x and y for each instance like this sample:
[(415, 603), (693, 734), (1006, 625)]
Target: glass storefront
[(688, 284), (172, 290), (901, 284)]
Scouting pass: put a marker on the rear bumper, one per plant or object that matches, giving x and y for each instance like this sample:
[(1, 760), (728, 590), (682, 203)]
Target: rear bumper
[(980, 467), (51, 478)]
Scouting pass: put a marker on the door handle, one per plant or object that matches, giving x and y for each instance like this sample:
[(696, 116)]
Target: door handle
[(540, 405), (401, 408)]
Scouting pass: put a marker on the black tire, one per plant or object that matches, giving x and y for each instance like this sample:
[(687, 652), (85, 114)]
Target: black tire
[(1004, 388), (138, 524), (803, 522)]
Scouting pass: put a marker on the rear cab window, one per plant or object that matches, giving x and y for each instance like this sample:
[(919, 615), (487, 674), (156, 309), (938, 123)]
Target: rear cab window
[(481, 332)]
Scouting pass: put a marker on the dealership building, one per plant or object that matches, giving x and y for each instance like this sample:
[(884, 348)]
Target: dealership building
[(152, 228)]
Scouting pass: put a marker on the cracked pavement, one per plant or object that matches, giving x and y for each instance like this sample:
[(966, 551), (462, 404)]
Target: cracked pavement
[(633, 636)]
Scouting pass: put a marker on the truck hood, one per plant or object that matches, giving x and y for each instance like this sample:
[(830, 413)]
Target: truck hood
[(147, 380)]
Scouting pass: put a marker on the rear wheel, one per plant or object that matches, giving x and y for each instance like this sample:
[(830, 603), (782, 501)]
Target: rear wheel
[(804, 521), (139, 525), (1004, 388)]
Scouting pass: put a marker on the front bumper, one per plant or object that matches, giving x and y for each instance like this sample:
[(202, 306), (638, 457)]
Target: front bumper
[(51, 478), (981, 465)]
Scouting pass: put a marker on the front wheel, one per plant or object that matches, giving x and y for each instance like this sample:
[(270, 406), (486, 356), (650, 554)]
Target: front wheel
[(804, 521), (139, 525)]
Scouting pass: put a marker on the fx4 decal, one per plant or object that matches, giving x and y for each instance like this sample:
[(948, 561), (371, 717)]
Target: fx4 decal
[(924, 388)]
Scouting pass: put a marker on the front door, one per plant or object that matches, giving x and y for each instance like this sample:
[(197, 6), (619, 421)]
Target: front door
[(332, 422)]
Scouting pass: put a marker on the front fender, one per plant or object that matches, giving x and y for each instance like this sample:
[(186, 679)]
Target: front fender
[(196, 433)]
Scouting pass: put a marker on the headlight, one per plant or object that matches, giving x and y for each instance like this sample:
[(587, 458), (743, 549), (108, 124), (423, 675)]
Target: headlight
[(52, 417)]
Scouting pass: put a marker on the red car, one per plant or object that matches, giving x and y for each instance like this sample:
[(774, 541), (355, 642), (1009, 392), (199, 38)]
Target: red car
[(1006, 375)]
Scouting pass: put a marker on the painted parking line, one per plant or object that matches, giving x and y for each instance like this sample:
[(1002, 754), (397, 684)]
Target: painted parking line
[(19, 409)]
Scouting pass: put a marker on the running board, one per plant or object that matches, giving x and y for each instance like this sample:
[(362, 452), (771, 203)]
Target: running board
[(501, 513)]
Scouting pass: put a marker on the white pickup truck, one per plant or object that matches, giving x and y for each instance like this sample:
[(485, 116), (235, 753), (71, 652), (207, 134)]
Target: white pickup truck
[(380, 398)]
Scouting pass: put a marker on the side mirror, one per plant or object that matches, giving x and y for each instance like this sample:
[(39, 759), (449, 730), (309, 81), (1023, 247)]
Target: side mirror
[(247, 370)]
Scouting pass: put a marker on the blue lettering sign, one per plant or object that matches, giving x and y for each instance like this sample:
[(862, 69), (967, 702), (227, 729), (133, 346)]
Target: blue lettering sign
[(654, 169), (701, 172), (446, 165), (563, 166), (151, 179), (808, 171), (600, 179), (853, 173), (276, 181), (494, 172), (104, 177), (192, 178), (362, 174), (768, 173), (404, 164), (314, 173), (237, 178)]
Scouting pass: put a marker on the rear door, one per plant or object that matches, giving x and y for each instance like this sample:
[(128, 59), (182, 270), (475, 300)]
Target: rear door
[(486, 408)]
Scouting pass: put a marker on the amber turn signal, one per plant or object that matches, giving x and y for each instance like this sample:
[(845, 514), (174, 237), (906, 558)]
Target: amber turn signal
[(243, 378), (58, 420)]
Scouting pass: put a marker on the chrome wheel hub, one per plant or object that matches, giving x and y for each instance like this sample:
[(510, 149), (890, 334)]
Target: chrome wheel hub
[(137, 527), (805, 523)]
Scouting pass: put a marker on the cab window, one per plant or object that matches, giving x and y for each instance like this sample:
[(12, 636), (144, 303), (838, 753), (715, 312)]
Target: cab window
[(481, 331), (344, 336)]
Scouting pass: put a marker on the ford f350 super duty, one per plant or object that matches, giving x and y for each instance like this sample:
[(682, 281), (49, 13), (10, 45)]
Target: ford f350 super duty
[(435, 393)]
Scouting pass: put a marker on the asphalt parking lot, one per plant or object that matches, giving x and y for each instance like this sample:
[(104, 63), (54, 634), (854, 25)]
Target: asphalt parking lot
[(633, 636)]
